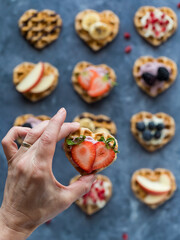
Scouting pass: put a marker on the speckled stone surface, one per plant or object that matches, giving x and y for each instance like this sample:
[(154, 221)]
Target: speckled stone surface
[(124, 213)]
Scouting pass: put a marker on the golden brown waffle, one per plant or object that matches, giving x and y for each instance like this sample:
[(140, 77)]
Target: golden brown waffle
[(168, 122), (23, 69), (78, 69), (99, 121), (153, 176), (152, 40), (147, 59), (86, 132), (107, 17), (40, 28), (91, 209), (19, 121)]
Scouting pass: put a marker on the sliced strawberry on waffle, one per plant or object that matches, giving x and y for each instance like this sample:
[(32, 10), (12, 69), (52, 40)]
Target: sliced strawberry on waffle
[(104, 155), (99, 86), (84, 155), (86, 77)]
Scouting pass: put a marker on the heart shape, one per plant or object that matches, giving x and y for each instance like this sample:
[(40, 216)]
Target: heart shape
[(23, 69), (100, 199), (40, 28), (106, 17), (152, 175), (151, 141), (144, 61), (146, 24), (94, 137), (81, 66), (96, 123)]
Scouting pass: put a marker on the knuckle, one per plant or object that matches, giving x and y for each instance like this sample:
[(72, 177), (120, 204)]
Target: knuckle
[(32, 133), (4, 141), (46, 139), (20, 167)]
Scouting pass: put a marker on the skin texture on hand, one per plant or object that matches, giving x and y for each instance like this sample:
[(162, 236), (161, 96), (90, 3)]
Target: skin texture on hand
[(32, 194)]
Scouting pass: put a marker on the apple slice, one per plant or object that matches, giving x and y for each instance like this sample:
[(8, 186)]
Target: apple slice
[(44, 84), (32, 79), (163, 185), (154, 199)]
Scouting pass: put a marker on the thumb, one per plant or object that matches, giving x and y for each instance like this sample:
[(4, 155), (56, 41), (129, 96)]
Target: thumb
[(81, 187)]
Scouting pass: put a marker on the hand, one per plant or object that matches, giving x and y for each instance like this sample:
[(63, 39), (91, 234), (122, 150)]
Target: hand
[(32, 194)]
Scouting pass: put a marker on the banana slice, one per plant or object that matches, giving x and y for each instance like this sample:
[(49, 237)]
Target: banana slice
[(99, 30), (86, 122), (89, 19), (102, 130)]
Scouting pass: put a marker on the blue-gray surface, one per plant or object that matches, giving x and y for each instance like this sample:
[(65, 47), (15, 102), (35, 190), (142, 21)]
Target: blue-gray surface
[(123, 213)]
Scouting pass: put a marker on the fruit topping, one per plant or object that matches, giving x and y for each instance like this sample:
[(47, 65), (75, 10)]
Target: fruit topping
[(178, 5), (157, 134), (99, 86), (89, 19), (87, 123), (149, 78), (151, 125), (160, 126), (99, 30), (45, 83), (86, 77), (163, 74), (147, 136), (128, 49), (27, 125), (127, 35), (140, 126), (83, 155)]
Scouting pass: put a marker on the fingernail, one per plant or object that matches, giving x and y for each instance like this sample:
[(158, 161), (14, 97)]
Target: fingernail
[(62, 111)]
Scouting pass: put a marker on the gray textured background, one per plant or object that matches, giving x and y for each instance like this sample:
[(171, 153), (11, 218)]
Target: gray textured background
[(123, 213)]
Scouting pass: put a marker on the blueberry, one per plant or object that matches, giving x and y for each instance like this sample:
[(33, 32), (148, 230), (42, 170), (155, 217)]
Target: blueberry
[(147, 136), (27, 125), (149, 78), (160, 126), (140, 126), (163, 74), (151, 125), (157, 134)]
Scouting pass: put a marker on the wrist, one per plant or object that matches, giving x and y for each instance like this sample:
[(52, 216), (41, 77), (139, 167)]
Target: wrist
[(9, 228)]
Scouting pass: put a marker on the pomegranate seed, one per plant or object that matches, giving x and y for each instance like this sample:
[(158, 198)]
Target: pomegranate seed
[(178, 5), (153, 28), (166, 22), (127, 35), (48, 222), (152, 14), (157, 33), (125, 236), (128, 49), (162, 16), (163, 29), (155, 20), (146, 26)]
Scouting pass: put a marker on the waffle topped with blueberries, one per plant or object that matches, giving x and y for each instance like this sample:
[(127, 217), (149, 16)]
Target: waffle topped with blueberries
[(154, 76), (152, 131)]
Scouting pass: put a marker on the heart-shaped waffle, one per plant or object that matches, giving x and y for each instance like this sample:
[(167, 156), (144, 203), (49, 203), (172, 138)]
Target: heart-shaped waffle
[(169, 129), (142, 27), (20, 120), (154, 91), (96, 123), (83, 93), (94, 206), (40, 28), (141, 194), (87, 133), (107, 17), (23, 69)]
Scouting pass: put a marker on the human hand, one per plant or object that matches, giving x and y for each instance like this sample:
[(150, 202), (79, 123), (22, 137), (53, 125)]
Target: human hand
[(32, 194)]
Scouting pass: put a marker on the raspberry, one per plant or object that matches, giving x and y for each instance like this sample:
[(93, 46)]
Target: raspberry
[(125, 236), (48, 222), (178, 5), (127, 35), (128, 49)]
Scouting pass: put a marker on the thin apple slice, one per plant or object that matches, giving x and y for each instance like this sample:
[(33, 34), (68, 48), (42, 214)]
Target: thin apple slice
[(44, 84), (163, 185), (32, 79), (154, 199)]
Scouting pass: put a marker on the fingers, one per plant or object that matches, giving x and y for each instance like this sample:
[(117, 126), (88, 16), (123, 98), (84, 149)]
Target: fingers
[(80, 187), (9, 146), (47, 141), (68, 128)]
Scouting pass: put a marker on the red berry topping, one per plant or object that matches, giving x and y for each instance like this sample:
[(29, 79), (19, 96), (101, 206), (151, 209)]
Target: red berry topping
[(84, 155), (163, 16), (128, 49), (104, 156), (125, 236), (48, 222), (99, 86), (146, 26), (85, 78), (127, 35), (152, 14), (178, 5), (167, 22)]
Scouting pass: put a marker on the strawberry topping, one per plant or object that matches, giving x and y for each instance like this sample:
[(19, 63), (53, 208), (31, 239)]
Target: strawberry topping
[(128, 49), (86, 77), (99, 86), (104, 156), (84, 155)]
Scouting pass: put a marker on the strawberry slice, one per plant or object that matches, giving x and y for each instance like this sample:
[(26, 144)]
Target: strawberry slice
[(99, 86), (86, 77), (84, 155), (104, 156)]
